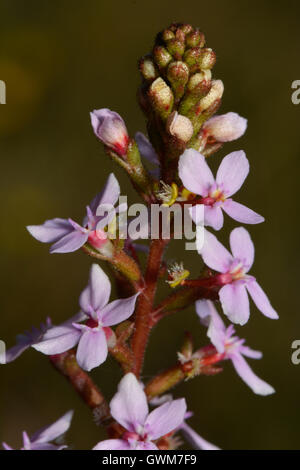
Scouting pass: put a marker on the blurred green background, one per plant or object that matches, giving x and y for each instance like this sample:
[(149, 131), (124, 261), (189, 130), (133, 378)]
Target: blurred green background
[(60, 60)]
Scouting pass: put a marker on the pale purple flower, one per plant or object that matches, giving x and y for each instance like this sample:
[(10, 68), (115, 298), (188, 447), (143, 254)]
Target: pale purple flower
[(68, 236), (26, 340), (234, 277), (216, 193), (42, 440), (110, 128), (225, 127), (231, 347), (129, 408), (95, 335)]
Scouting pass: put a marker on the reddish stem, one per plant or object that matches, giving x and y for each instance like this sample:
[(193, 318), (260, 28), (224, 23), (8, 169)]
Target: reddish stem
[(143, 321)]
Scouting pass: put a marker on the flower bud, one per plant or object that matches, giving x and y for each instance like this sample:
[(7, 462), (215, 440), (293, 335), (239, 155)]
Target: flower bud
[(225, 127), (167, 34), (180, 127), (161, 56), (215, 94), (195, 38), (178, 75), (110, 128), (176, 48), (200, 83), (161, 97), (207, 59), (147, 68)]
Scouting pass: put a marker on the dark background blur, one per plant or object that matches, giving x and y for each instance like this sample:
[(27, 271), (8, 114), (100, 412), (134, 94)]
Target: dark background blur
[(60, 60)]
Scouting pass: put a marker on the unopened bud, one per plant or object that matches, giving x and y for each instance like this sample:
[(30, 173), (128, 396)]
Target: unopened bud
[(161, 97), (215, 94), (180, 127), (207, 59), (178, 75), (147, 68), (198, 58), (161, 56), (192, 56), (195, 38), (110, 128), (176, 48), (225, 127), (167, 34)]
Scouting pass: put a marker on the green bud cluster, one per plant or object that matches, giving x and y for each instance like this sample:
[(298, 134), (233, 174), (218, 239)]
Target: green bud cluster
[(177, 78)]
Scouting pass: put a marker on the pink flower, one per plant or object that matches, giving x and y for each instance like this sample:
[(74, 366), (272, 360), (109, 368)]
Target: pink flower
[(231, 346), (68, 236), (129, 407), (198, 178), (234, 278), (110, 128), (226, 127), (42, 439), (95, 335)]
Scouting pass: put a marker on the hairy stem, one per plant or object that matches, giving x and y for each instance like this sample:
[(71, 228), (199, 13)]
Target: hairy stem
[(143, 322)]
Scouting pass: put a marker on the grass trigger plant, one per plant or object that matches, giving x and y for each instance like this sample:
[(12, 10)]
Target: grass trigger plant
[(179, 97)]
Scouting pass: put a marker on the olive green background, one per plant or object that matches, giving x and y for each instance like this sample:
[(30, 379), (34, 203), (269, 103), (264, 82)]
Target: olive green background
[(60, 60)]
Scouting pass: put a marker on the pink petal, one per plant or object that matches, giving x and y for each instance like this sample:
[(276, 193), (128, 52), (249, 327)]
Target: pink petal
[(242, 246), (261, 300), (232, 172), (118, 311), (213, 217), (6, 446), (109, 194), (55, 430), (58, 340), (92, 349), (166, 418), (216, 329), (241, 213), (51, 230), (112, 444), (196, 441), (194, 172), (197, 213), (259, 386), (69, 243), (235, 302), (129, 405), (214, 254), (97, 293), (248, 352), (226, 127)]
